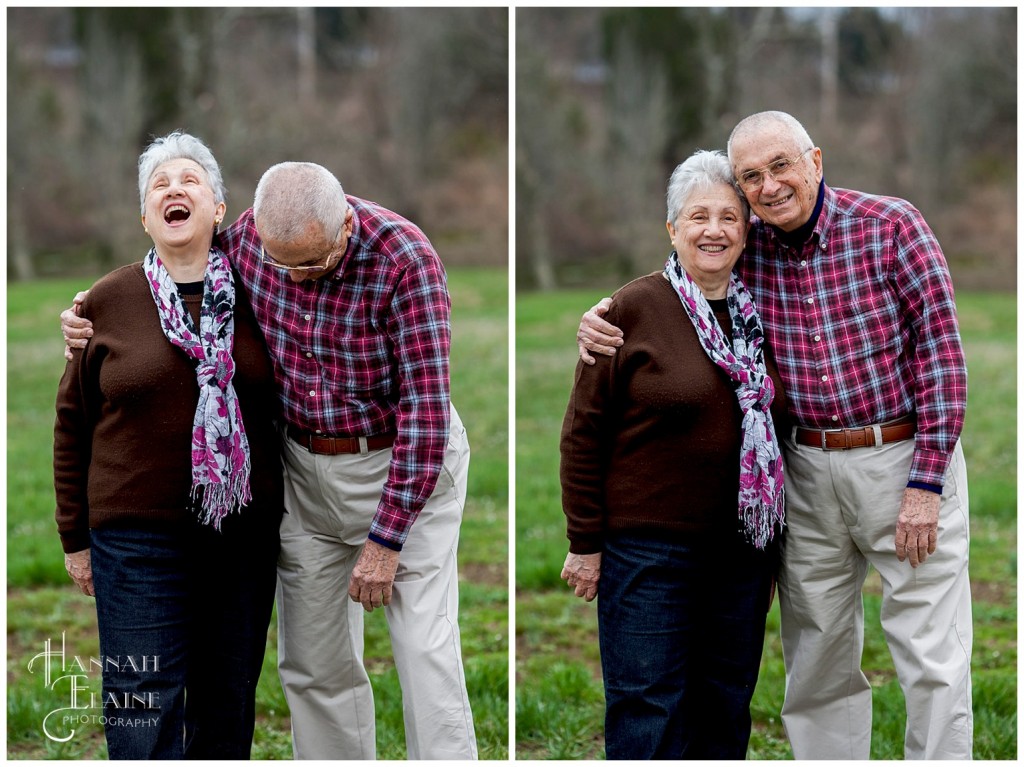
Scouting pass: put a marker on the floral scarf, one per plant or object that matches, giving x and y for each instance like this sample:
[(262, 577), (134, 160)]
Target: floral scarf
[(761, 502), (220, 450)]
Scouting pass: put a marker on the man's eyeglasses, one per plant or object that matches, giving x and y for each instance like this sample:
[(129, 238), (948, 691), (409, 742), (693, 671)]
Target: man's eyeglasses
[(752, 180), (269, 261)]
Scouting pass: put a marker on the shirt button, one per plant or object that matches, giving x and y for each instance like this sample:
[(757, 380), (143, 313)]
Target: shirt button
[(309, 355), (823, 246), (312, 394), (308, 317), (835, 418), (817, 338), (810, 300), (803, 263), (824, 378)]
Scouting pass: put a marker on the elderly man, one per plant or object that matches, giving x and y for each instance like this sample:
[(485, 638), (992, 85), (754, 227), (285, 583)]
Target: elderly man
[(857, 302), (353, 304)]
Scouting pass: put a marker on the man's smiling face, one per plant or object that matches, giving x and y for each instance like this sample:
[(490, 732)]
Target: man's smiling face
[(787, 201)]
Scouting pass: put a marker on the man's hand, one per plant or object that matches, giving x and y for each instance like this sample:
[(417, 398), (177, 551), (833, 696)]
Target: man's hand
[(79, 567), (918, 525), (583, 571), (77, 330), (373, 576), (596, 335)]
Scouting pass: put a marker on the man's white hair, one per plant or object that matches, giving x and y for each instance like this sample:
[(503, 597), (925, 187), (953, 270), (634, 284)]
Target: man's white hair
[(294, 199)]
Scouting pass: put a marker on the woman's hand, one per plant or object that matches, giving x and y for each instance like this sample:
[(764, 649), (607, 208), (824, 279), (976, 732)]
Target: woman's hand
[(583, 571), (596, 335), (79, 567)]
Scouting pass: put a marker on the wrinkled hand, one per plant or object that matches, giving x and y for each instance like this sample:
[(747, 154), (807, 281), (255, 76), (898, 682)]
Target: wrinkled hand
[(918, 525), (373, 576), (79, 567), (583, 571), (595, 334), (77, 330)]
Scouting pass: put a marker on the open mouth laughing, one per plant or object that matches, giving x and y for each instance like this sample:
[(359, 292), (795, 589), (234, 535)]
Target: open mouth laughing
[(177, 214)]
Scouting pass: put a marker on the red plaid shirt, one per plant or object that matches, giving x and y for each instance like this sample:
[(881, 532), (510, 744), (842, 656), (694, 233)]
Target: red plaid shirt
[(362, 350), (863, 324)]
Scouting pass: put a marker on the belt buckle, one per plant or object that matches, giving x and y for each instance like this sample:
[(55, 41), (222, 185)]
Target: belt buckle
[(824, 443)]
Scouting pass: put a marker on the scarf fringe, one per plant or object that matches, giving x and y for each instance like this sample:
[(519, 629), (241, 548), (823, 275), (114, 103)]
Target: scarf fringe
[(220, 499)]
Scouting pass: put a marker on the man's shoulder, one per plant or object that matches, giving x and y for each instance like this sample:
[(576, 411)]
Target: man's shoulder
[(382, 232), (850, 202), (228, 239)]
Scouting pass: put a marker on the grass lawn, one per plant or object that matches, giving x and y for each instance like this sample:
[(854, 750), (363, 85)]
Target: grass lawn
[(559, 697), (42, 603)]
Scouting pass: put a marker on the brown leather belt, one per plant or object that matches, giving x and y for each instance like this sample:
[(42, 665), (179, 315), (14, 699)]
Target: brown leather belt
[(324, 445), (865, 436)]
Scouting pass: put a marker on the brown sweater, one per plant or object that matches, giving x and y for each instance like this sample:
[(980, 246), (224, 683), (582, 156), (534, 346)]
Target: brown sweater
[(125, 406), (651, 436)]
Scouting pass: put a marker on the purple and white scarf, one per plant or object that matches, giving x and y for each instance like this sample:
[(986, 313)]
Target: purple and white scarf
[(220, 450), (761, 497)]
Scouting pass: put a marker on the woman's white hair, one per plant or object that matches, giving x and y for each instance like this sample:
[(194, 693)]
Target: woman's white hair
[(177, 146), (700, 172), (292, 196)]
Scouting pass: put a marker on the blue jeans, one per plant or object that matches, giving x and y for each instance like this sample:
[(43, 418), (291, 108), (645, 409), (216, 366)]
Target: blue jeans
[(183, 614), (681, 623)]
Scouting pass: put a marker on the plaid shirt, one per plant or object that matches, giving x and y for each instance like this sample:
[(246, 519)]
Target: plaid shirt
[(362, 350), (863, 324)]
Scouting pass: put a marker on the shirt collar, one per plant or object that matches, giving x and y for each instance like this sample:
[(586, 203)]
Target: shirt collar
[(351, 246)]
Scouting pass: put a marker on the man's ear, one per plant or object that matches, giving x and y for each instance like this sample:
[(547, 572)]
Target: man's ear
[(348, 225)]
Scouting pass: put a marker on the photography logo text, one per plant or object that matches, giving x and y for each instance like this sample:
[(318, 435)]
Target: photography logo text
[(77, 682)]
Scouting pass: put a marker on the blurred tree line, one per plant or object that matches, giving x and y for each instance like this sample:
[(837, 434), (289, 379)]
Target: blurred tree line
[(917, 103), (408, 107)]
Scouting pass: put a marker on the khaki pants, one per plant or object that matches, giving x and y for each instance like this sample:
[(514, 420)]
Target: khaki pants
[(331, 501), (841, 509)]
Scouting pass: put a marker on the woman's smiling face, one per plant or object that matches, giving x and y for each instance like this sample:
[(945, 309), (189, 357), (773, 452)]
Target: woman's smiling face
[(709, 234), (180, 205)]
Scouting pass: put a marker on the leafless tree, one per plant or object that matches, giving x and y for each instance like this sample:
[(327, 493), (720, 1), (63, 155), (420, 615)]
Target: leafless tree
[(112, 102), (638, 132)]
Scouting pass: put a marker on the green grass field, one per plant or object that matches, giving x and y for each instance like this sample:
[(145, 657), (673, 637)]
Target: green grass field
[(42, 603), (559, 698)]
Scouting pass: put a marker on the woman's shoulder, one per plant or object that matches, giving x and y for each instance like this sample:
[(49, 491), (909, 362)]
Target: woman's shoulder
[(111, 290), (639, 294)]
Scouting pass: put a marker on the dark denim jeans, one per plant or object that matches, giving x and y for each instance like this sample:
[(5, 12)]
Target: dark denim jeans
[(681, 623), (183, 615)]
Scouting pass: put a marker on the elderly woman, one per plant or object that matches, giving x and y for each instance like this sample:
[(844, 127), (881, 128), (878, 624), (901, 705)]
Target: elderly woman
[(168, 479), (672, 487)]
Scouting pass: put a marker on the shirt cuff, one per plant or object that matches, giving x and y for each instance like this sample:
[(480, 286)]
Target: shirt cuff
[(926, 486), (929, 467), (385, 542), (390, 526)]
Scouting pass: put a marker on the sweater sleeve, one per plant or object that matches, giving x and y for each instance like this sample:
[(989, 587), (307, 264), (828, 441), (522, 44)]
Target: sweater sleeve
[(585, 450), (72, 448)]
